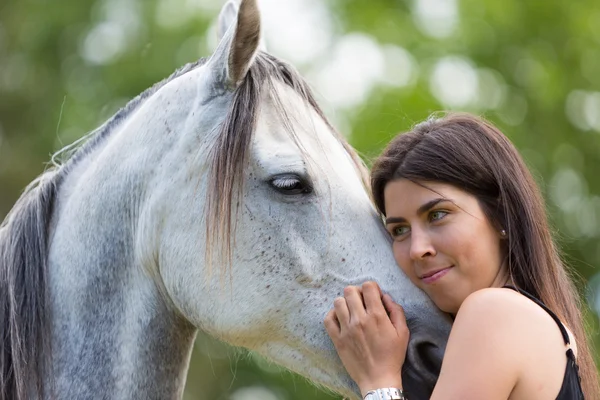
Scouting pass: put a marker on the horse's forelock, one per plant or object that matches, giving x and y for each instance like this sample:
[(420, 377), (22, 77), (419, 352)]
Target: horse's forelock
[(229, 154)]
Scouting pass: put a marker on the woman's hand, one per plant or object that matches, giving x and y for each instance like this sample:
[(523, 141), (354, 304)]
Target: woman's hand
[(371, 345)]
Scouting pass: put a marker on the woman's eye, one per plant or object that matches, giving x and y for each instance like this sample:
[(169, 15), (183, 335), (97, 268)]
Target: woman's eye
[(290, 185), (437, 215), (399, 230)]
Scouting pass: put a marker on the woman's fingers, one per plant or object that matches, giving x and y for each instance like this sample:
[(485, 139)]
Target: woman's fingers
[(396, 313), (372, 297), (340, 307), (371, 347), (354, 300), (332, 325), (359, 304)]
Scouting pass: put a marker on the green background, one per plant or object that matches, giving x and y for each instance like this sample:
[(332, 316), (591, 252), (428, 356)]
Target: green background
[(532, 67)]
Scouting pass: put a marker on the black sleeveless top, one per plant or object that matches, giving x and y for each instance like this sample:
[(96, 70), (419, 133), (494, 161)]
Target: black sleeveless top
[(571, 386)]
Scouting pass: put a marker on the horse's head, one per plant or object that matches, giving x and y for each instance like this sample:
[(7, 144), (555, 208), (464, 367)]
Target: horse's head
[(281, 198)]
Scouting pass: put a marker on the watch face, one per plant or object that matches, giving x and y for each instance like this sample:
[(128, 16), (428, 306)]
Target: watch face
[(384, 394)]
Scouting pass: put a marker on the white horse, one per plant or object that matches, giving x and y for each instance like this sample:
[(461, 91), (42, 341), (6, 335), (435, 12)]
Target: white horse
[(219, 200)]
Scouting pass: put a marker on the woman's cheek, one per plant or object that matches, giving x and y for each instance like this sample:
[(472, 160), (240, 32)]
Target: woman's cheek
[(401, 255)]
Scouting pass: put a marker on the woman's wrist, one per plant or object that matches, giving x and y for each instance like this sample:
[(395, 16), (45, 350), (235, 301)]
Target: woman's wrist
[(391, 382)]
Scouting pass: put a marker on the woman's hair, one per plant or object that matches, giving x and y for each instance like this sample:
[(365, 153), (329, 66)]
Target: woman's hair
[(471, 154)]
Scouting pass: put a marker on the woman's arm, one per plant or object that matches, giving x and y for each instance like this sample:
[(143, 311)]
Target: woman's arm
[(483, 358)]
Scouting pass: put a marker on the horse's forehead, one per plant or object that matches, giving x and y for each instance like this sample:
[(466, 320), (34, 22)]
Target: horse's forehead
[(273, 143), (196, 86)]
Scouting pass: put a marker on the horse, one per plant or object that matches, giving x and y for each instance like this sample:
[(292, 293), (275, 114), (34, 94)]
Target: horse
[(219, 200)]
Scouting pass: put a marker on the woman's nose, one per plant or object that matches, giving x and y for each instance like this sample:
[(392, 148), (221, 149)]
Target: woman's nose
[(421, 245)]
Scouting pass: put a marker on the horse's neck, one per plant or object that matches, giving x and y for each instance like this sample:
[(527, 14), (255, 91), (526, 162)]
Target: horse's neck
[(113, 334)]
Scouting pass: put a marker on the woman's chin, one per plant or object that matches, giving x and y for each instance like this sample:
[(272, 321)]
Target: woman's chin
[(444, 303)]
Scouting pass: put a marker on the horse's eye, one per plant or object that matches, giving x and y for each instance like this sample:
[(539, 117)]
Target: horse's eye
[(290, 185)]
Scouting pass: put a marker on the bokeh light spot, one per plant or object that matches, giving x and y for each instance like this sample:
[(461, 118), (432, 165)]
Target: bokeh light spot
[(400, 68), (290, 28), (349, 75), (454, 82), (104, 43), (492, 89), (513, 109), (567, 189), (14, 72), (254, 393), (436, 18), (583, 110)]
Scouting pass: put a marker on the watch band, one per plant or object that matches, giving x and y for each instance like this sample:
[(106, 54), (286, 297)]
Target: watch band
[(385, 394)]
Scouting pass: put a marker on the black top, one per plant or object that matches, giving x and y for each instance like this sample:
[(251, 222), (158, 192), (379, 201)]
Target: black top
[(571, 386)]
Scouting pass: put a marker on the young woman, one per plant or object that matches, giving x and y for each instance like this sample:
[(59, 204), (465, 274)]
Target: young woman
[(469, 228)]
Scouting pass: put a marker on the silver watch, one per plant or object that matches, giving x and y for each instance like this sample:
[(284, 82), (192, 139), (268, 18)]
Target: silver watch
[(385, 394)]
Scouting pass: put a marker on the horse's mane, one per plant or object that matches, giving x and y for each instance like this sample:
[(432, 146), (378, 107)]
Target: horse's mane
[(25, 346)]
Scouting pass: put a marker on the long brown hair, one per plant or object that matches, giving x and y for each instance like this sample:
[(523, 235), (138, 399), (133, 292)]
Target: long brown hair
[(470, 153)]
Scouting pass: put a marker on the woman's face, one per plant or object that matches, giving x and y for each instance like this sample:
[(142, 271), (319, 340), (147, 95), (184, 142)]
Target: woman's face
[(443, 241)]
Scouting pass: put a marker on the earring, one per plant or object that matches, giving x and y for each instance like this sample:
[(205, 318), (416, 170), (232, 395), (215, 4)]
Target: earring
[(503, 233)]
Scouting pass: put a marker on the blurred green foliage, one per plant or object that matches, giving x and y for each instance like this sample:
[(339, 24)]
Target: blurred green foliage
[(532, 67)]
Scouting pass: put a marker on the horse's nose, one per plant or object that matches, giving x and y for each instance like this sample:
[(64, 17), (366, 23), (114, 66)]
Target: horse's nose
[(420, 376), (428, 337), (430, 357)]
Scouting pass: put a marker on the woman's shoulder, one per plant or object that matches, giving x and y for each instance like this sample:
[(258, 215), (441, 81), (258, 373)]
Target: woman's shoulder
[(496, 299), (508, 328), (502, 345), (507, 312), (504, 306)]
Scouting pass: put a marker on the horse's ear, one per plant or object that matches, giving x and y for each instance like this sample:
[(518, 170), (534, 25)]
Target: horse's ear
[(239, 34), (227, 17)]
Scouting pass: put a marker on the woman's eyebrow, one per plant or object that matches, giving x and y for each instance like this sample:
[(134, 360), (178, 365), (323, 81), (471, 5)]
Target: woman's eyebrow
[(421, 210)]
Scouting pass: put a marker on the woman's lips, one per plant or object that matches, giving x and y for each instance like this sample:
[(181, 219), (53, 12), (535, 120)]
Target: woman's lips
[(431, 277)]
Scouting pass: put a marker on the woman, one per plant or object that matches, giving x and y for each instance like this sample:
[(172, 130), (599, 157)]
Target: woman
[(469, 228)]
